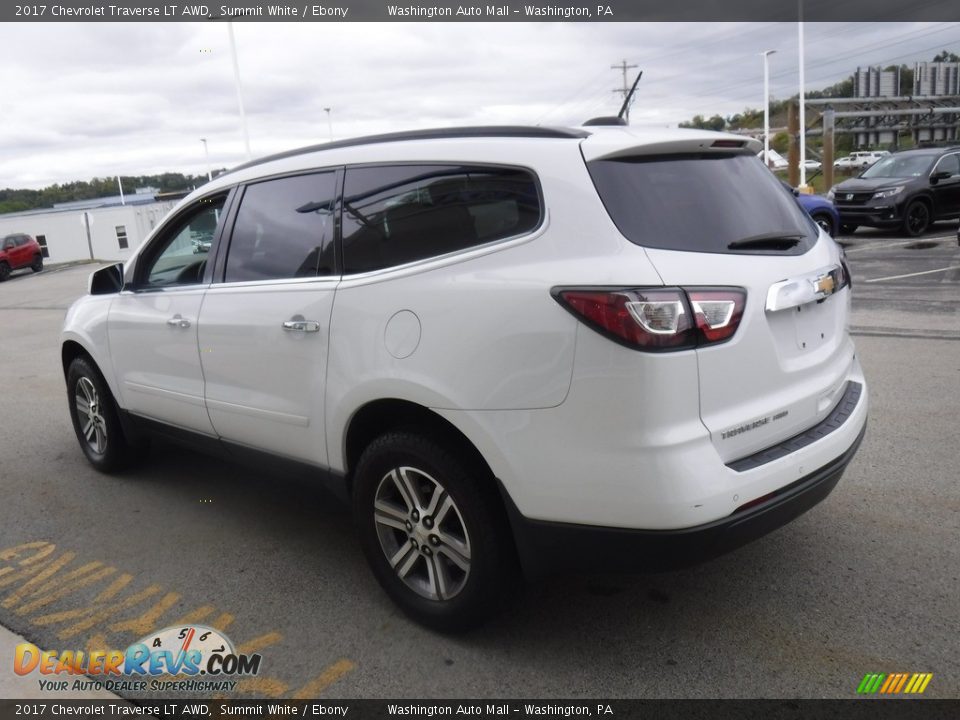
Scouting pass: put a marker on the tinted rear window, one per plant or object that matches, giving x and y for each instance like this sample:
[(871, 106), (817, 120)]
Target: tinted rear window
[(698, 203)]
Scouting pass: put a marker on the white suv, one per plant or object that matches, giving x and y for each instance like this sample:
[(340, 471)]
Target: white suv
[(860, 160), (508, 347)]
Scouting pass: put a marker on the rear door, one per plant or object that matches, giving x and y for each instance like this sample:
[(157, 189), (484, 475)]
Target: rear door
[(265, 323), (713, 220)]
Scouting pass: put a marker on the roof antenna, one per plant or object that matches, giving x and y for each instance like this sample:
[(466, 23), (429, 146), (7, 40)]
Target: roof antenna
[(628, 98), (619, 119)]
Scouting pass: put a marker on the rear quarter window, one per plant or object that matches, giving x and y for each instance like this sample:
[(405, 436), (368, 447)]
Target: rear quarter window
[(397, 214), (698, 203)]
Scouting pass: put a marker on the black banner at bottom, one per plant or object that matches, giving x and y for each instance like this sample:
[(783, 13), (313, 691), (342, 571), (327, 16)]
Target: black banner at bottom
[(858, 709)]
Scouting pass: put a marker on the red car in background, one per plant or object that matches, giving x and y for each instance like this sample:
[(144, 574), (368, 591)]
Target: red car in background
[(19, 251)]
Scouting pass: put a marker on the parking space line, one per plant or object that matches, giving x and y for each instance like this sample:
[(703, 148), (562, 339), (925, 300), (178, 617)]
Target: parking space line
[(897, 243), (924, 272)]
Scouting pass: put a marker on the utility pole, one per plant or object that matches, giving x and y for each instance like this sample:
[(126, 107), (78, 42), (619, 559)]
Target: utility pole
[(625, 90)]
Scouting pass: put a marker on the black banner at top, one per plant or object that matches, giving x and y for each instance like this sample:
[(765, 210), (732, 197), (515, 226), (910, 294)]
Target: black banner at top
[(496, 11)]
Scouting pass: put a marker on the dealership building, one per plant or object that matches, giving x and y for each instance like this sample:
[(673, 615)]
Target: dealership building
[(108, 228)]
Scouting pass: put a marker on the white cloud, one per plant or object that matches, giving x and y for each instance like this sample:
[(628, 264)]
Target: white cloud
[(87, 99)]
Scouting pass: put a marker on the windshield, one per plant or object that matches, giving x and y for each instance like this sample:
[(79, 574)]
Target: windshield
[(900, 167), (701, 203)]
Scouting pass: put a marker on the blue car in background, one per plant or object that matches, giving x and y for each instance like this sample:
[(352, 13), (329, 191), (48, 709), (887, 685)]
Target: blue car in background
[(820, 209)]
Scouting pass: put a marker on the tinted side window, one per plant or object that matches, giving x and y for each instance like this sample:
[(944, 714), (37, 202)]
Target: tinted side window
[(950, 163), (284, 229), (401, 213)]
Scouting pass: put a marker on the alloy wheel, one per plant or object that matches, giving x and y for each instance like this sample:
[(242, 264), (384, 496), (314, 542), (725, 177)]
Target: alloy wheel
[(422, 533), (89, 411)]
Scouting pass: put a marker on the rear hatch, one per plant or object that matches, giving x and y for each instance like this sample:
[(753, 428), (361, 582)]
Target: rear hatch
[(711, 216)]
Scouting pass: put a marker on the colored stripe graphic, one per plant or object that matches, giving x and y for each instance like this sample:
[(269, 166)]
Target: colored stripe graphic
[(894, 683)]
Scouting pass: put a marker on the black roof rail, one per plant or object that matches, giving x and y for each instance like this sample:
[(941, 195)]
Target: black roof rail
[(492, 131)]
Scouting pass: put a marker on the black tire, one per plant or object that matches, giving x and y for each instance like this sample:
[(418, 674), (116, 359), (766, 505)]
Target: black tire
[(37, 265), (429, 467), (916, 218), (847, 229), (4, 271), (825, 221), (104, 442)]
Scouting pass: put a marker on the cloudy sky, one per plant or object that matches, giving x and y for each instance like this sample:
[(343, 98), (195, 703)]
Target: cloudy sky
[(87, 99)]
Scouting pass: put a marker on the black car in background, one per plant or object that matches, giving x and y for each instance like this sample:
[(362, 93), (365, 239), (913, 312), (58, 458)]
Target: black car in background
[(909, 189)]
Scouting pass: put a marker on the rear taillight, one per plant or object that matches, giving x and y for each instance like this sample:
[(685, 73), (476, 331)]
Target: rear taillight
[(657, 319)]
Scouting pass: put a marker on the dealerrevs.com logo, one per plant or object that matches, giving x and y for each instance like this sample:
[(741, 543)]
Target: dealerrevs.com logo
[(194, 658)]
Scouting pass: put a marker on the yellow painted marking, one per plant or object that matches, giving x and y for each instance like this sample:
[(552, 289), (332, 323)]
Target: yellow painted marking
[(913, 681), (258, 643), (45, 548), (147, 621), (69, 584), (324, 680), (926, 681), (42, 585), (100, 610), (271, 687), (40, 574)]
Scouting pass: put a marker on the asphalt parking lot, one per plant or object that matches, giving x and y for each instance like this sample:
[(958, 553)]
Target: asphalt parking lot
[(865, 582)]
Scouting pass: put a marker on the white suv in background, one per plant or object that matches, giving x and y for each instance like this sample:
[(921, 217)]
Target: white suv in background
[(860, 160), (547, 349)]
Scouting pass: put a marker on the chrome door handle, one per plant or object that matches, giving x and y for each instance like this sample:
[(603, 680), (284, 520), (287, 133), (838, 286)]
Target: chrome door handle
[(302, 325), (178, 321)]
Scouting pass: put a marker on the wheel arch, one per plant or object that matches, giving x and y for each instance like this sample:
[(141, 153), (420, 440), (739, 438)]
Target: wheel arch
[(380, 416)]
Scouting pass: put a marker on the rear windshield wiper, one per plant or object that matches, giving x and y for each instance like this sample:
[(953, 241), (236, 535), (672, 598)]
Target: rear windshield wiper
[(771, 241)]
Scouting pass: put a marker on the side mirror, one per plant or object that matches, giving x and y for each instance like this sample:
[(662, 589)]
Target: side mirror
[(106, 281), (940, 175)]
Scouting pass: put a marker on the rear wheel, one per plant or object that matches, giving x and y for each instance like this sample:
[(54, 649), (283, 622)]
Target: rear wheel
[(916, 219), (847, 229), (433, 530), (37, 264), (96, 421), (4, 271)]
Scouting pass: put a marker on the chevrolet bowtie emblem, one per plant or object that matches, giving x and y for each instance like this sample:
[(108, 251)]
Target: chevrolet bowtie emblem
[(825, 285)]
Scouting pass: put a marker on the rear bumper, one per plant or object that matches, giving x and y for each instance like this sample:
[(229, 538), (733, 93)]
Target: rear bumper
[(549, 547)]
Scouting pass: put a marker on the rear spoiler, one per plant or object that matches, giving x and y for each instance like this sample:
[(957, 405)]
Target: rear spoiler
[(623, 142)]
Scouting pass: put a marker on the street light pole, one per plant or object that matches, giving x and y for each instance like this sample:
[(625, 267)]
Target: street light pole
[(766, 105), (803, 107), (329, 123), (206, 154), (236, 79)]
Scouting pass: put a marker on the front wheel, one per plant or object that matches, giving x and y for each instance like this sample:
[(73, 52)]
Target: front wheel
[(4, 271), (433, 530), (847, 229), (37, 264), (96, 421), (825, 222), (916, 219)]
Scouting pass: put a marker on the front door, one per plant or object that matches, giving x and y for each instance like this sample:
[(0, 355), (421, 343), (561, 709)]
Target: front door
[(153, 325), (947, 190)]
